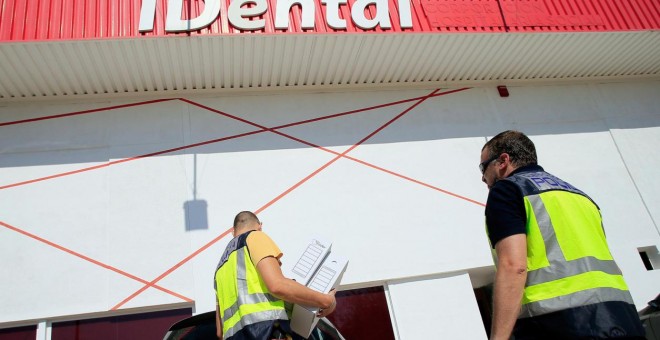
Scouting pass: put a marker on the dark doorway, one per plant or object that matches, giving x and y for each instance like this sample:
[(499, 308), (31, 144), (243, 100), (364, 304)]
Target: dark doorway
[(363, 314)]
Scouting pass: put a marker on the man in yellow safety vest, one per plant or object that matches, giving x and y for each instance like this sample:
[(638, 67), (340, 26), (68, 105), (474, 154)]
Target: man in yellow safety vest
[(556, 278), (251, 290)]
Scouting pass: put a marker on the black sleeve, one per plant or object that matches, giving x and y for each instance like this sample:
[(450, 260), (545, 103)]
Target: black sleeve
[(505, 212)]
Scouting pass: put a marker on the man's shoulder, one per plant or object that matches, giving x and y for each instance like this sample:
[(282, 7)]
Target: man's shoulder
[(504, 197), (504, 190), (258, 235), (259, 239), (261, 245)]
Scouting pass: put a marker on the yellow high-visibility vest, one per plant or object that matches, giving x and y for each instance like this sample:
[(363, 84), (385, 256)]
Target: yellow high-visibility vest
[(568, 261), (243, 297)]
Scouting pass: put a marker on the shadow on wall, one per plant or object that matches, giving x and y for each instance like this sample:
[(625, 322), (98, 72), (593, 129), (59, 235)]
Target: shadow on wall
[(196, 215), (116, 132), (196, 210)]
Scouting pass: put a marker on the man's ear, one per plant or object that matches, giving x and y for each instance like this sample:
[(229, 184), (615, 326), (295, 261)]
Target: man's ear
[(505, 160)]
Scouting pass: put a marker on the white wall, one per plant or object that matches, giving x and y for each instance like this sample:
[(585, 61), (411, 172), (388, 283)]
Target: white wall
[(443, 307), (85, 242)]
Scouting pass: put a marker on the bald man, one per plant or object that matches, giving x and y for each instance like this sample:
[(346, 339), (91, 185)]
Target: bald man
[(251, 290)]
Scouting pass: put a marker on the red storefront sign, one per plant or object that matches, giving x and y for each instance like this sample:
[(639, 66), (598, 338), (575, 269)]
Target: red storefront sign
[(29, 20), (520, 14)]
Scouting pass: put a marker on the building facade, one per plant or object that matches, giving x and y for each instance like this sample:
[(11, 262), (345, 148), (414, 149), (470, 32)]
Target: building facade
[(132, 132)]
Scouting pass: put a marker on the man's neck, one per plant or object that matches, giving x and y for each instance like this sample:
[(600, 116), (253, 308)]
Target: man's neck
[(243, 231)]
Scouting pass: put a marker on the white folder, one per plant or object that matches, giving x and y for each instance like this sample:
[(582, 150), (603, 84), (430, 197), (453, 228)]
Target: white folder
[(309, 261), (319, 270)]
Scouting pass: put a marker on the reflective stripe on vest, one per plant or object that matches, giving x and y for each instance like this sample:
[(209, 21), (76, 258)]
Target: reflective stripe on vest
[(252, 304), (554, 282)]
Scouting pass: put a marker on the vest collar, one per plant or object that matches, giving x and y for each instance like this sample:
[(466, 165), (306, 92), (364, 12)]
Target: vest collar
[(526, 168)]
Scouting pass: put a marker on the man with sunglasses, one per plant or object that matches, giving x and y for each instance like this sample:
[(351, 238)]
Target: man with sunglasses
[(556, 278)]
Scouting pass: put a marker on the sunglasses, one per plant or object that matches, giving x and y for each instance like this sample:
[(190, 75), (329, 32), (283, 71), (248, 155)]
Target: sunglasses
[(486, 163)]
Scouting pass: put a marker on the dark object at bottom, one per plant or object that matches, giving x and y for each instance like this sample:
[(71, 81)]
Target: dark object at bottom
[(202, 327), (650, 317)]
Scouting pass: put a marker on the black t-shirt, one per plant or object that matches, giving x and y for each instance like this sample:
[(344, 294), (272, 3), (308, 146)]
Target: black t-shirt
[(505, 208)]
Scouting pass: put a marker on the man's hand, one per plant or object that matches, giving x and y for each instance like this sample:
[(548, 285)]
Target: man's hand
[(323, 312)]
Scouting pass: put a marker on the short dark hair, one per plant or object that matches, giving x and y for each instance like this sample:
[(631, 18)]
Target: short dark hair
[(519, 147), (245, 219)]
